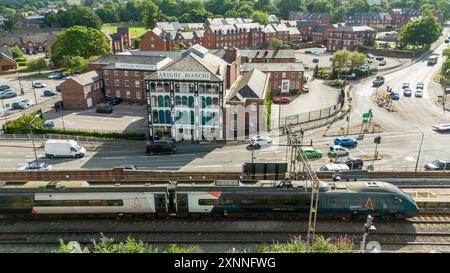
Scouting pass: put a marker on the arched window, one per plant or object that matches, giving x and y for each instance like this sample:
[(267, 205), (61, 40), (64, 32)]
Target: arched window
[(216, 101), (208, 118), (154, 101), (166, 101), (177, 100), (160, 101), (155, 116), (191, 102), (168, 117), (166, 88), (192, 118), (177, 88), (161, 117), (184, 101), (152, 87), (185, 117), (208, 102), (191, 88), (203, 102), (159, 87), (184, 88), (178, 117), (201, 88)]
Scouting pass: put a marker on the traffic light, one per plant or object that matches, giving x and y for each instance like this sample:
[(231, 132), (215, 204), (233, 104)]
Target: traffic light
[(377, 140)]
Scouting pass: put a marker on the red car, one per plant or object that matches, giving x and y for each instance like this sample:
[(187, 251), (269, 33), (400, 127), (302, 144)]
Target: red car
[(282, 100)]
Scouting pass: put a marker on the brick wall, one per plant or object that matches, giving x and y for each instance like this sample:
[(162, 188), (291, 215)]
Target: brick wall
[(152, 42)]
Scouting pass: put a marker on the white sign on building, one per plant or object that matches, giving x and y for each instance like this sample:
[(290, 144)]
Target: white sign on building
[(183, 75), (136, 66)]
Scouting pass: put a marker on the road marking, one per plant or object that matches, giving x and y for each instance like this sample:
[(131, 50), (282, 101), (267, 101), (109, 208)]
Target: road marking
[(114, 157), (409, 158)]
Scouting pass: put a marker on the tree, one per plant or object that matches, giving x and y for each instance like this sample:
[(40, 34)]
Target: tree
[(275, 43), (285, 6), (339, 60), (16, 53), (37, 64), (338, 15), (425, 30), (266, 5), (150, 13), (245, 11), (444, 7), (261, 17), (170, 7), (359, 6), (74, 62), (80, 41), (356, 59), (109, 13), (322, 6)]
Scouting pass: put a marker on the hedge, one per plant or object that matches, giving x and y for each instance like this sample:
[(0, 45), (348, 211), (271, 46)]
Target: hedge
[(128, 136), (20, 59), (22, 63)]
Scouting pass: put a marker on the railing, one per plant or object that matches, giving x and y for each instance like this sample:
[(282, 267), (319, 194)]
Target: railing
[(57, 136)]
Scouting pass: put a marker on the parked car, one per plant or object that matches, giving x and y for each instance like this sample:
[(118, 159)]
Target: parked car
[(310, 152), (447, 41), (305, 88), (161, 147), (365, 66), (315, 60), (395, 96), (333, 167), (58, 88), (8, 94), (253, 146), (49, 93), (405, 85), (382, 63), (76, 72), (282, 100), (407, 92), (49, 124), (19, 105), (370, 60), (346, 141), (39, 85), (419, 93), (379, 58), (420, 85), (306, 66), (115, 101), (28, 102), (441, 127), (438, 165), (104, 109), (34, 166), (379, 81), (353, 163), (261, 140), (337, 150), (52, 75), (4, 87), (308, 52)]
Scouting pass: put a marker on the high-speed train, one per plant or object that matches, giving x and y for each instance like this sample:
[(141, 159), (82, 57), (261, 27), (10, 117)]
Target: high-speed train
[(226, 198)]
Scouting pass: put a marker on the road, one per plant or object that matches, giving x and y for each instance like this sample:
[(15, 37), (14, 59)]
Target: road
[(401, 136)]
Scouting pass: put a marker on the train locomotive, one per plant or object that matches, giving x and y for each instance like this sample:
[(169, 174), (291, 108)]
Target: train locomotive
[(226, 198)]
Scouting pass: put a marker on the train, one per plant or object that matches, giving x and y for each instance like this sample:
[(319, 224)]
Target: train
[(221, 198)]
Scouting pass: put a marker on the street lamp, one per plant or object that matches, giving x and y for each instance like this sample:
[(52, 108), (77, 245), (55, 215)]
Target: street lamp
[(34, 91), (20, 84), (32, 138), (4, 112), (420, 148)]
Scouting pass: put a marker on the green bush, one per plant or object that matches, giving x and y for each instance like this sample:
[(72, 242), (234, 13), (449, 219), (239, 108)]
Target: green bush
[(338, 83), (22, 63), (20, 59), (323, 74), (321, 245)]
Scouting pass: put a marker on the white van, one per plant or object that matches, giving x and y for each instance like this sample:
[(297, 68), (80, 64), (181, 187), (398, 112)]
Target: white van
[(333, 167), (63, 148)]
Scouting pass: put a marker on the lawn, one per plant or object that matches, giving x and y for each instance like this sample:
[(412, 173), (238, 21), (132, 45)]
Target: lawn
[(136, 29)]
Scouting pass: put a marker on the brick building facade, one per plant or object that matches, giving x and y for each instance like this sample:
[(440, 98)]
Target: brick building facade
[(82, 91), (348, 37)]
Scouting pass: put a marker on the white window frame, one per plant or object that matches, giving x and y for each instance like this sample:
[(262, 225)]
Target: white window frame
[(118, 93), (117, 82)]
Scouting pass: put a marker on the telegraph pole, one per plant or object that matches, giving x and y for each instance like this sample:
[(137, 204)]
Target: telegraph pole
[(420, 149)]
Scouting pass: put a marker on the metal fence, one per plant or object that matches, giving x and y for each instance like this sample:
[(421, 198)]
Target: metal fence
[(57, 136), (313, 118)]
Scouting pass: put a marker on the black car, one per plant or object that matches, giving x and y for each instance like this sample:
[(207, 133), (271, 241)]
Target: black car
[(253, 146), (104, 109), (161, 147), (49, 93), (58, 88), (59, 76), (4, 87), (115, 101), (19, 105), (352, 162), (315, 60)]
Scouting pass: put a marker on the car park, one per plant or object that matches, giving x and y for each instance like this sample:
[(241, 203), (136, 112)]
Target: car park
[(161, 147), (438, 165), (49, 93), (310, 152), (261, 140), (418, 93), (395, 96), (346, 141), (39, 85), (441, 127), (407, 92), (337, 150), (115, 101), (353, 163), (282, 100), (104, 109), (8, 94), (34, 166)]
